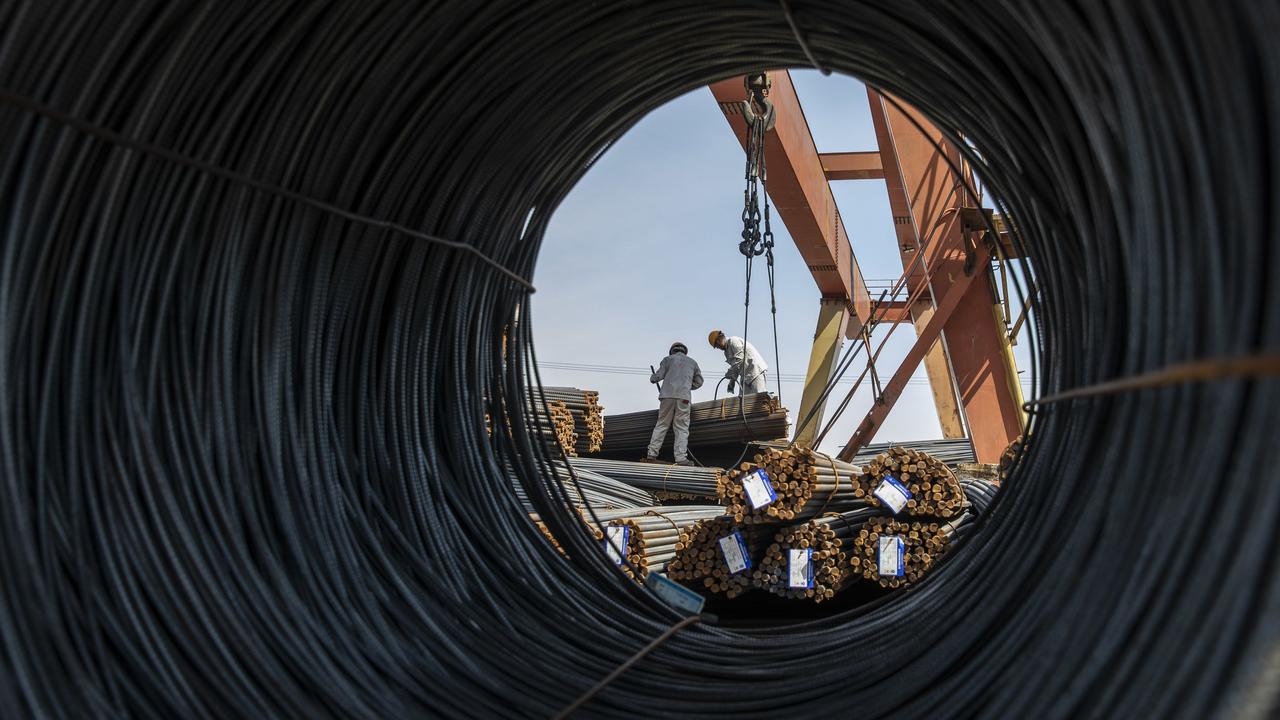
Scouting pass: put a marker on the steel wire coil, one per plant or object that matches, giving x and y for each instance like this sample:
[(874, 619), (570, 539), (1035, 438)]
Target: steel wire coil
[(242, 450)]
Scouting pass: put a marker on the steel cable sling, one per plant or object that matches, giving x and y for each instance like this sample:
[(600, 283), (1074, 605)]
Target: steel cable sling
[(243, 456)]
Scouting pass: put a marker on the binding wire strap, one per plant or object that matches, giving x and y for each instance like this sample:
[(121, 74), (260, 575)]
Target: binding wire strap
[(244, 462)]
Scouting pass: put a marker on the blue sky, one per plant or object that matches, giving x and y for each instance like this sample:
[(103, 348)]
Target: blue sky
[(644, 252)]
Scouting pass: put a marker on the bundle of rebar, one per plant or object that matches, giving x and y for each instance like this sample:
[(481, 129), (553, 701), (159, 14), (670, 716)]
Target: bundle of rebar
[(563, 425), (896, 553), (588, 416), (910, 482), (651, 534), (554, 427), (546, 532), (787, 484), (555, 423), (712, 423), (951, 452), (1010, 457), (809, 561), (717, 555), (598, 491), (988, 472), (666, 482)]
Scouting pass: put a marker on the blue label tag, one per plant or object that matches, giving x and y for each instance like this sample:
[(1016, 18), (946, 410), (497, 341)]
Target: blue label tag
[(890, 558), (800, 568), (898, 484), (893, 494), (742, 547), (758, 488), (615, 542), (675, 594), (734, 550)]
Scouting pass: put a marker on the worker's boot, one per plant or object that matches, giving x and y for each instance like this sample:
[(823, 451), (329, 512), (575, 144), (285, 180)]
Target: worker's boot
[(683, 462), (648, 459)]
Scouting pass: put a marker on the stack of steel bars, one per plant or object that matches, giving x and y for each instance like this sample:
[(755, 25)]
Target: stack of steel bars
[(588, 416), (803, 483), (896, 553), (598, 491), (951, 452), (716, 555), (562, 422), (714, 424), (931, 489), (1010, 457), (931, 510), (682, 483), (554, 425), (988, 472), (546, 532), (889, 522), (808, 561), (646, 537)]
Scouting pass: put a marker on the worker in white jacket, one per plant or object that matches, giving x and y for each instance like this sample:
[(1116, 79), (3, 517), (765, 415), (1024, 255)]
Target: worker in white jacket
[(745, 364), (679, 375)]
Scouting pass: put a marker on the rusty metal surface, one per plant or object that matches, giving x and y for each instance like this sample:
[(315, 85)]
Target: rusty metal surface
[(928, 335), (798, 186), (852, 165), (928, 203)]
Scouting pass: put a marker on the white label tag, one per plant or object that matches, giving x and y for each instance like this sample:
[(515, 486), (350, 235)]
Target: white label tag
[(800, 568), (615, 543), (891, 547), (735, 553), (758, 488), (893, 494)]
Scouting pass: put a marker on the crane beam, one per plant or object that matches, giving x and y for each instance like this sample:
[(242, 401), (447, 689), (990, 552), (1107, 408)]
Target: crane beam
[(931, 206), (797, 183)]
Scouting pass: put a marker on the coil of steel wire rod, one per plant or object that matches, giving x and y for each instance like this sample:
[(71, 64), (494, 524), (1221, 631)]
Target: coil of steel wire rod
[(264, 271)]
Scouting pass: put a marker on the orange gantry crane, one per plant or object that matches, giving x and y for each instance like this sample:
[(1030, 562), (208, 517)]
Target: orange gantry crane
[(946, 250)]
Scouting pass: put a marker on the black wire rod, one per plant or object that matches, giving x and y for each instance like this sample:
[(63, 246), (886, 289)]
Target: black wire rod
[(244, 461)]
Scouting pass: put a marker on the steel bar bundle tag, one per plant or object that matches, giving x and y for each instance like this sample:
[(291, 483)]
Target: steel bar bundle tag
[(615, 544), (734, 549), (891, 551), (800, 568), (893, 494), (758, 488), (675, 594)]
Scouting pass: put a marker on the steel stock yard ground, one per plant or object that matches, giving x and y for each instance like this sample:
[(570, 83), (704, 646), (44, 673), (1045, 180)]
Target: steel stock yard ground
[(262, 278)]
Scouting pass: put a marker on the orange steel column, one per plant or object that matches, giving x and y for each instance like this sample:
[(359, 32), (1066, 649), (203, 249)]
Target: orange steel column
[(928, 335), (926, 198)]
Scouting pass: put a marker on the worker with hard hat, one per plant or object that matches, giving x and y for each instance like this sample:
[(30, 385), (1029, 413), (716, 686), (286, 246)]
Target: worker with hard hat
[(679, 375), (745, 364)]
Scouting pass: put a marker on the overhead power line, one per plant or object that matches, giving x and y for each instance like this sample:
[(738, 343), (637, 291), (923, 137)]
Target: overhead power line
[(634, 370)]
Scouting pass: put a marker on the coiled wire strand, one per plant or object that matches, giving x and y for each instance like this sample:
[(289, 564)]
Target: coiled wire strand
[(245, 468)]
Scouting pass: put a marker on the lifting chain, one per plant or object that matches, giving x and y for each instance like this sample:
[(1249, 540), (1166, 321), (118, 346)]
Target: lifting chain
[(760, 116)]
